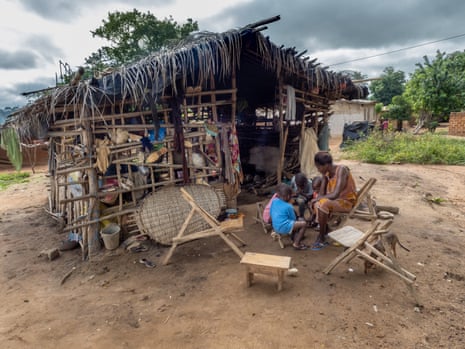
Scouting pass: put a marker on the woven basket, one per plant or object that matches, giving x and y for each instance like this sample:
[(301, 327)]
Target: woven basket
[(163, 212)]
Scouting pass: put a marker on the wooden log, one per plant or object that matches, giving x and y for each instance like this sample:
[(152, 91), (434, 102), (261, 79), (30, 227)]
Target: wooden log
[(93, 240), (100, 219), (73, 169), (281, 131), (264, 21), (67, 275), (391, 209), (234, 96)]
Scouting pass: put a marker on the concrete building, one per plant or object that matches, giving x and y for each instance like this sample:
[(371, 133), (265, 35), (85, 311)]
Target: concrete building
[(347, 111)]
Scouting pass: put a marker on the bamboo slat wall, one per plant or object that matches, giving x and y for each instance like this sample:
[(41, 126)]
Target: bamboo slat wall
[(119, 191)]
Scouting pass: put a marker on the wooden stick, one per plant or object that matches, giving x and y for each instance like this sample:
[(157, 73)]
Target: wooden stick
[(180, 234), (67, 275), (283, 152), (100, 219), (234, 96)]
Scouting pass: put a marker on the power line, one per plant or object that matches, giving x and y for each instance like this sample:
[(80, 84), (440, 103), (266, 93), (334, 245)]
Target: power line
[(399, 50)]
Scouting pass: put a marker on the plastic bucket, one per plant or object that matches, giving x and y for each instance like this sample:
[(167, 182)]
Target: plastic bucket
[(110, 236)]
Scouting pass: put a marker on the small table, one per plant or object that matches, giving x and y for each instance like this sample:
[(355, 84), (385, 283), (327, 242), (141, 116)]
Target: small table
[(265, 264)]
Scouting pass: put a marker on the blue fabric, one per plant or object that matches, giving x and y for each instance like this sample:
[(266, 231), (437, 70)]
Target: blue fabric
[(282, 216)]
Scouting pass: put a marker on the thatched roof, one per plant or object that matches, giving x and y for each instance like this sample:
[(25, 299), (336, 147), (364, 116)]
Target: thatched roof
[(192, 62)]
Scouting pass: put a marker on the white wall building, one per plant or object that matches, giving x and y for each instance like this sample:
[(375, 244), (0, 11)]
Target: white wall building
[(344, 111)]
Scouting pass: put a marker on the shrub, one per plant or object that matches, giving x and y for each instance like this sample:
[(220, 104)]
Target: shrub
[(394, 147), (7, 179)]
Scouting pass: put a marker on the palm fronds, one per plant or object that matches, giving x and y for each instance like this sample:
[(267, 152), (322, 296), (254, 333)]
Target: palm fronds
[(199, 57)]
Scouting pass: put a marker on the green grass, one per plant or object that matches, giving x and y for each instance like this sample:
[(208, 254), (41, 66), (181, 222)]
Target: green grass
[(395, 147), (7, 179)]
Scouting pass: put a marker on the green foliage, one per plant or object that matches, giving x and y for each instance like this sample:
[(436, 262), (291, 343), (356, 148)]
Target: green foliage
[(379, 108), (391, 84), (437, 200), (437, 87), (399, 110), (7, 179), (388, 148), (9, 140), (354, 74), (133, 35)]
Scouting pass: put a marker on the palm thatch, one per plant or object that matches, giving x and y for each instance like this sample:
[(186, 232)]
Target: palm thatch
[(193, 61)]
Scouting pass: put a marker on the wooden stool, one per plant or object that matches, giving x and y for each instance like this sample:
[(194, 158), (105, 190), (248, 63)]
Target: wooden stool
[(265, 264)]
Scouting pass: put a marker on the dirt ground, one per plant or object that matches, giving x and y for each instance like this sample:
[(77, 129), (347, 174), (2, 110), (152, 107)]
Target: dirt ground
[(200, 300)]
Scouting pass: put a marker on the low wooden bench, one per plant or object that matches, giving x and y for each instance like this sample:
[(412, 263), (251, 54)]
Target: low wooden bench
[(265, 264)]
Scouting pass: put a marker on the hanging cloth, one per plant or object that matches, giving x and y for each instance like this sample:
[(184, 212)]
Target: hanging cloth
[(103, 154), (9, 141), (323, 137), (308, 148), (235, 154), (228, 169), (290, 107)]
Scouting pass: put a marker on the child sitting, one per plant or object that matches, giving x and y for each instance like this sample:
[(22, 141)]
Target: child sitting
[(283, 218), (302, 188)]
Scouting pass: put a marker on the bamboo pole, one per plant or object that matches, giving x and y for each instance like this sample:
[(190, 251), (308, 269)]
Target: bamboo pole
[(233, 97), (93, 241), (213, 98), (281, 131), (120, 180), (100, 219)]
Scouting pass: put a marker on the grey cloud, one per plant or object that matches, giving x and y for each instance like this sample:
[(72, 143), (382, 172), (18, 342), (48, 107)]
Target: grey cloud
[(364, 26), (20, 59), (36, 51), (37, 84), (66, 10), (12, 96), (59, 10), (356, 23), (43, 46)]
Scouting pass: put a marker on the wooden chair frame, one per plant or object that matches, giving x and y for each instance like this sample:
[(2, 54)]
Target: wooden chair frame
[(359, 244), (267, 228), (217, 229), (339, 218)]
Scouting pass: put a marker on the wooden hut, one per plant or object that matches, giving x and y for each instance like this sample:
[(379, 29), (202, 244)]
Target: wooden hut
[(181, 115)]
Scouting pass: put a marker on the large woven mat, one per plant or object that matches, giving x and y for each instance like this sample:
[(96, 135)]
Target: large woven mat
[(163, 212)]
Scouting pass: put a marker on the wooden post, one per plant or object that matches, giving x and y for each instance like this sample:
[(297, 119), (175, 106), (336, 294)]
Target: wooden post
[(213, 99), (215, 120), (279, 168), (93, 241), (233, 96), (176, 102)]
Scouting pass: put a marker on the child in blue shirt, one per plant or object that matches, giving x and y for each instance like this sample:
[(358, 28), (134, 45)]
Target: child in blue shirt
[(283, 218)]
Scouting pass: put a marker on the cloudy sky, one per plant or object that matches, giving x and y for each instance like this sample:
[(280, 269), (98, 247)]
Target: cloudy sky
[(364, 35)]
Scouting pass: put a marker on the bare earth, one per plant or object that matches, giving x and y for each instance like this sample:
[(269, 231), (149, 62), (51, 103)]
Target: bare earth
[(200, 299)]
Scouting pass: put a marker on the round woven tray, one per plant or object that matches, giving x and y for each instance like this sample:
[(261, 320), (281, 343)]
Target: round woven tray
[(163, 212)]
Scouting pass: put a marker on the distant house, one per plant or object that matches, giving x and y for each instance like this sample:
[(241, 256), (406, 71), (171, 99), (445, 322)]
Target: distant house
[(347, 111)]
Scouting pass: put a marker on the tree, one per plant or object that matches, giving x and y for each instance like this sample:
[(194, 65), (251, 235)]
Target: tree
[(437, 87), (399, 110), (354, 74), (378, 108), (133, 35), (391, 84)]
